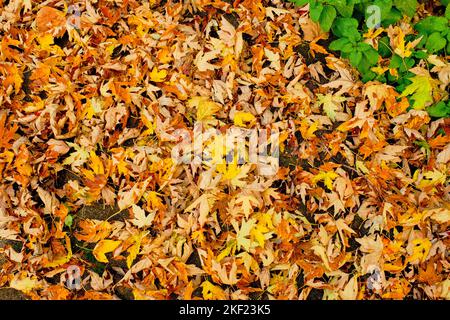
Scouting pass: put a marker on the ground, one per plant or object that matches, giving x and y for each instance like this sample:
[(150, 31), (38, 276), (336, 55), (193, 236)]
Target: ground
[(95, 97)]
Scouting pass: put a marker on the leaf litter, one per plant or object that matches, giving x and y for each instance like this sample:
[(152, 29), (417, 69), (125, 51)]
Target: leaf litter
[(359, 208)]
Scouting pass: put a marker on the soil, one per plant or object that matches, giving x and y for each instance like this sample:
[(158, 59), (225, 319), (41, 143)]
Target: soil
[(12, 294), (101, 211)]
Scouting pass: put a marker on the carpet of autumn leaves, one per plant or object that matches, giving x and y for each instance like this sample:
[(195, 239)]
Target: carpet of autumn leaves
[(88, 104)]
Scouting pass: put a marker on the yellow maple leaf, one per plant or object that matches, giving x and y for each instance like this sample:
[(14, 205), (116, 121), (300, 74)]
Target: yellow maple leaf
[(45, 42), (96, 163), (410, 218), (93, 106), (373, 33), (320, 251), (24, 283), (205, 107), (350, 291), (153, 200), (127, 198), (22, 161), (261, 231), (432, 178), (421, 248), (61, 260), (164, 55), (140, 219), (149, 124), (228, 171), (229, 249), (440, 215), (397, 289), (398, 43), (326, 177), (133, 251), (243, 233), (244, 119), (12, 77), (104, 247), (199, 236), (78, 157), (331, 104), (205, 204), (247, 204), (158, 76), (444, 289), (212, 292), (307, 130), (233, 172)]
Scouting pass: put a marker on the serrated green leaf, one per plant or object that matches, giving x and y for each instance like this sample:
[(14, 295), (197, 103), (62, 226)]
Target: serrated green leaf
[(435, 42), (420, 90), (346, 28), (384, 5), (371, 56), (344, 8), (355, 57), (391, 17), (432, 24), (406, 7), (384, 48), (315, 10), (327, 17), (342, 44), (439, 110), (299, 2)]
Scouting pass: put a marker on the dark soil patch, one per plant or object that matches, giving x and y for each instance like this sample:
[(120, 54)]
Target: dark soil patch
[(99, 211), (124, 292), (15, 244), (12, 294)]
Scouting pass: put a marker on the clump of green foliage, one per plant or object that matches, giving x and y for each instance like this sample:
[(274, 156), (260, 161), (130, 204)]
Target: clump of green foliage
[(348, 20)]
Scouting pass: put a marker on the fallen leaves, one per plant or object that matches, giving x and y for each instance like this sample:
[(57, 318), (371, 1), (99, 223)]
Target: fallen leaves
[(158, 76), (358, 207), (205, 108), (331, 104), (103, 247), (326, 177), (421, 91), (212, 292), (202, 60), (243, 119), (140, 219)]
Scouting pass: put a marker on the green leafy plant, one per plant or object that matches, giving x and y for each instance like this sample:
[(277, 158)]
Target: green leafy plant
[(361, 55), (348, 20), (345, 19), (440, 110), (326, 11), (435, 33)]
